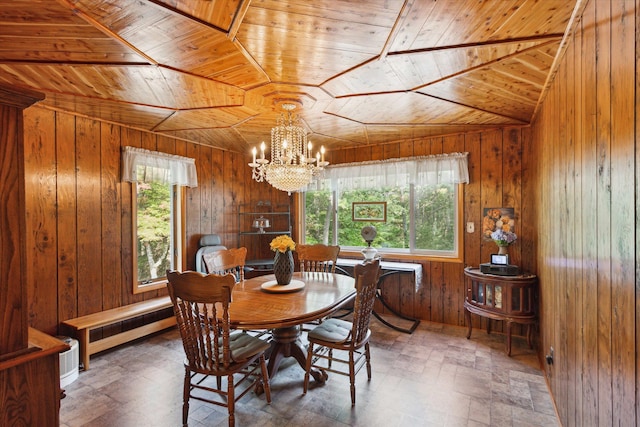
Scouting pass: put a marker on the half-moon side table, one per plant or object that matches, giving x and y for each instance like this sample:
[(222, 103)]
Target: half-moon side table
[(508, 298)]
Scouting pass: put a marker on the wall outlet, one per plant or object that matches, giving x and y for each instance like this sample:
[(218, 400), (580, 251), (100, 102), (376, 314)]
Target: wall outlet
[(471, 227)]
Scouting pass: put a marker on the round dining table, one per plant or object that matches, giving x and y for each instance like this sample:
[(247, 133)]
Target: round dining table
[(258, 303)]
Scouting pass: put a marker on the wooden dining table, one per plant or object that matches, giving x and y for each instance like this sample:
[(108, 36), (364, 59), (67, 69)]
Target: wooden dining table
[(281, 311)]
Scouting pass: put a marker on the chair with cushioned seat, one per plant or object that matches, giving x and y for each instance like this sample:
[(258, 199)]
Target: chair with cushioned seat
[(201, 305), (329, 341)]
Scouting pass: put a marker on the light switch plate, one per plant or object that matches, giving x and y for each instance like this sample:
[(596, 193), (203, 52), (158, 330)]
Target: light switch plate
[(470, 227)]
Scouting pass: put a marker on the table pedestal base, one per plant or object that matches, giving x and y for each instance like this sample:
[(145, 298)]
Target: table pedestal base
[(287, 343)]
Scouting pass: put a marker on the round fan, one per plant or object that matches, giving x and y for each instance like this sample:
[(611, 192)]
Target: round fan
[(368, 233)]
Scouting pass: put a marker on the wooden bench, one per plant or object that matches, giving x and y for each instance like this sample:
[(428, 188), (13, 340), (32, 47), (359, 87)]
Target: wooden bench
[(85, 324)]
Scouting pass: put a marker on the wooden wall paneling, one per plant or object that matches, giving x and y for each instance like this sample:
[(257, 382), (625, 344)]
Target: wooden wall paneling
[(390, 290), (422, 300), (66, 197), (206, 184), (453, 294), (40, 207), (490, 193), (165, 144), (437, 145), (148, 141), (529, 208), (561, 226), (547, 293), (422, 147), (111, 206), (132, 138), (232, 171), (512, 185), (590, 303), (193, 207), (603, 209), (377, 152), (491, 181), (436, 294), (637, 224), (454, 278), (623, 345), (553, 243), (217, 183), (391, 151), (363, 154), (407, 295), (405, 149), (111, 239), (88, 216), (349, 155), (336, 157), (473, 202), (577, 376)]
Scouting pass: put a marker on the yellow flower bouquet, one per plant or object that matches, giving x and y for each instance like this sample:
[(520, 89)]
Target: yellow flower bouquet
[(282, 244)]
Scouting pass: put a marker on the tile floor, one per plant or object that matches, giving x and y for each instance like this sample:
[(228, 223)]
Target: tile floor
[(434, 377)]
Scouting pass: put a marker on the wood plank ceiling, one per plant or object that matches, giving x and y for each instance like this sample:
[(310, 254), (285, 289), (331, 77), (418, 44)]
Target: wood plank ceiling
[(218, 71)]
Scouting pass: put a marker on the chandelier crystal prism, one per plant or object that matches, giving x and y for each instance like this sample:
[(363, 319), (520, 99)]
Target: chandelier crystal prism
[(292, 166)]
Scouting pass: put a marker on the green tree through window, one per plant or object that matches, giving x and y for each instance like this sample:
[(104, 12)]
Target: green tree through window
[(154, 222), (426, 225)]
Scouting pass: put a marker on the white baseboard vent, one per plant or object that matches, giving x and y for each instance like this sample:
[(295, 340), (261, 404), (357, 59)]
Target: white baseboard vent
[(69, 362)]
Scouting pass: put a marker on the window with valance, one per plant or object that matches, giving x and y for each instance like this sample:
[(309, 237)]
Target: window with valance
[(141, 165), (157, 202), (421, 198)]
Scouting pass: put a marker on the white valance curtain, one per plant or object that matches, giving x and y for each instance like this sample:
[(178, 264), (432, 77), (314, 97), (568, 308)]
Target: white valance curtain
[(143, 165), (423, 170)]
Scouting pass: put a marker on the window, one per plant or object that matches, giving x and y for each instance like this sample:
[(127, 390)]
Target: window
[(158, 236), (423, 206), (158, 212)]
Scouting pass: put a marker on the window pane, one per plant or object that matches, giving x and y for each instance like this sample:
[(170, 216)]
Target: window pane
[(393, 234), (154, 230), (420, 219), (435, 217), (318, 221)]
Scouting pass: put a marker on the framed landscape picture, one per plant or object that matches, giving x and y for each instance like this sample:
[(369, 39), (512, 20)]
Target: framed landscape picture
[(369, 211)]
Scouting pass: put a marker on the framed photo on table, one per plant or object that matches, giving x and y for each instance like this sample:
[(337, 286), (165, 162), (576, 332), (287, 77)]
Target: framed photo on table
[(369, 211)]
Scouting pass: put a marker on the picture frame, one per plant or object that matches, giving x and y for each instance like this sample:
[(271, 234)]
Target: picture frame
[(494, 218), (369, 211)]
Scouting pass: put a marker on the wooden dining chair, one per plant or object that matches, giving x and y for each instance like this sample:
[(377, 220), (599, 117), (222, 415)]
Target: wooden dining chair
[(231, 261), (227, 261), (201, 306), (347, 343), (317, 258)]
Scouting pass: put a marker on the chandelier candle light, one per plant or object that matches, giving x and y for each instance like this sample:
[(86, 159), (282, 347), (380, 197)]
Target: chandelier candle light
[(292, 165)]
